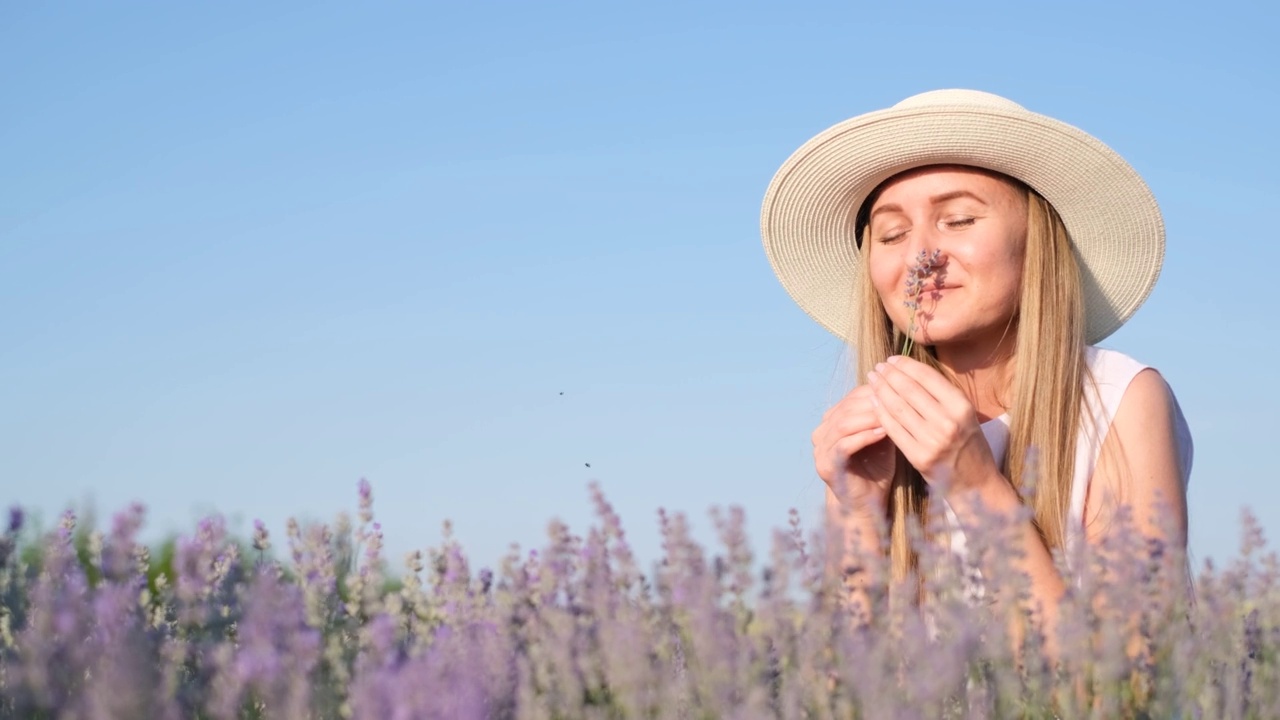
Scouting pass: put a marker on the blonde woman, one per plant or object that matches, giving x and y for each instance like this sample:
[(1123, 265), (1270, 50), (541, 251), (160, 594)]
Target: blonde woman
[(973, 253)]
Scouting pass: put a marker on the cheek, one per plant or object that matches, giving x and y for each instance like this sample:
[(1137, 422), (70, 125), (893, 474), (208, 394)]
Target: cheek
[(1007, 290), (883, 279), (883, 273), (1013, 269), (995, 264)]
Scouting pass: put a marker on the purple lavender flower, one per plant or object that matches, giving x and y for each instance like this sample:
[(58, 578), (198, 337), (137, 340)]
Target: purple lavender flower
[(207, 574), (460, 675), (925, 265), (366, 500), (364, 584), (317, 572), (261, 540), (122, 675), (120, 548), (273, 657), (558, 634), (8, 542), (50, 650)]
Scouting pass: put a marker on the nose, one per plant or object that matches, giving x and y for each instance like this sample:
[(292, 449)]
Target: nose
[(925, 250)]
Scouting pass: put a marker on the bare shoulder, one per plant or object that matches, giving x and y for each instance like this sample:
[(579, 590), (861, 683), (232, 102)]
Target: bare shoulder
[(1147, 399), (1139, 464)]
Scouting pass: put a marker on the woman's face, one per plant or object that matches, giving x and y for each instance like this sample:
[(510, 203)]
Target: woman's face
[(977, 223)]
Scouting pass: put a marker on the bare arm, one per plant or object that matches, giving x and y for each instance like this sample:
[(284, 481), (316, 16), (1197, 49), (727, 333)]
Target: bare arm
[(853, 539), (1139, 467), (1046, 584)]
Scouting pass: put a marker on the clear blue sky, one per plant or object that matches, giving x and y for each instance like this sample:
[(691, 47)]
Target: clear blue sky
[(252, 252)]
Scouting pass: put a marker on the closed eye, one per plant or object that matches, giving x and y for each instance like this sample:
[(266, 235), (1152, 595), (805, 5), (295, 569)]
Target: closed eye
[(960, 223)]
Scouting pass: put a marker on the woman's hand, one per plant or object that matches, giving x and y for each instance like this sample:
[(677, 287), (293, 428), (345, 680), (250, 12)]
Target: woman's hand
[(933, 424), (853, 455)]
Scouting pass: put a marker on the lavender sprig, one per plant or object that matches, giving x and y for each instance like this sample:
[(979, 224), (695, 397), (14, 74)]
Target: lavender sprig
[(924, 267)]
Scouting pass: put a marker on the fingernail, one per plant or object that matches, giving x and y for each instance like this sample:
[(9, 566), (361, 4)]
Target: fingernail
[(894, 360), (875, 401), (873, 377), (880, 367)]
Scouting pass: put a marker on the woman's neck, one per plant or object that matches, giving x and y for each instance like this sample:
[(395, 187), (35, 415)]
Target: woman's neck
[(983, 371)]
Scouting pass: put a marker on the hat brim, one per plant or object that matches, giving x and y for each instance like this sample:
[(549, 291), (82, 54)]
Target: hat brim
[(809, 211)]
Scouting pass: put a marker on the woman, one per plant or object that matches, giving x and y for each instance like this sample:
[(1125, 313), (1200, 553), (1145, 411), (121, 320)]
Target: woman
[(973, 253)]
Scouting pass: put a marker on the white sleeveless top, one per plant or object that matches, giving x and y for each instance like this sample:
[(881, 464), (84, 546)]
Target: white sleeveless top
[(1112, 371)]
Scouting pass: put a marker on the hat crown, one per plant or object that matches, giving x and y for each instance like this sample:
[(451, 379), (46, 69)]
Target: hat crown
[(958, 97)]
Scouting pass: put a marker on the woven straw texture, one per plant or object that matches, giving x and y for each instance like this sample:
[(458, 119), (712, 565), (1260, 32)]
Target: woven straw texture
[(808, 215)]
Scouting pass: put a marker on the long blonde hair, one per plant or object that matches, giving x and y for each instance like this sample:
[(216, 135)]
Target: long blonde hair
[(1047, 384)]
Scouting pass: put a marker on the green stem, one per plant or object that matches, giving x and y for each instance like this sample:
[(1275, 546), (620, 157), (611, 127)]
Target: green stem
[(910, 338)]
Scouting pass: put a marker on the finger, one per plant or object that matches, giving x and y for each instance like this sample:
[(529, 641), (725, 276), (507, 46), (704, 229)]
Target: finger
[(855, 423), (921, 400), (856, 401), (893, 402), (833, 429), (833, 461), (850, 445), (855, 398), (931, 380), (899, 434)]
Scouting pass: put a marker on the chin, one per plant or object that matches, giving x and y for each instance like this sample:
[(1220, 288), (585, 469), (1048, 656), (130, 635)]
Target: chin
[(951, 335)]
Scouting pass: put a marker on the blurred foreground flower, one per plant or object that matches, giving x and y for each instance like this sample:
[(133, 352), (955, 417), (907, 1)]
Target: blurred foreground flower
[(578, 629)]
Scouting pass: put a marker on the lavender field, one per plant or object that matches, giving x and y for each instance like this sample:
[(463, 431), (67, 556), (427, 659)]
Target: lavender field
[(94, 625)]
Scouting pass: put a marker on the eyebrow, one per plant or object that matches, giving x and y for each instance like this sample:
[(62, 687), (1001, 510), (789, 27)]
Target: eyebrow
[(935, 200)]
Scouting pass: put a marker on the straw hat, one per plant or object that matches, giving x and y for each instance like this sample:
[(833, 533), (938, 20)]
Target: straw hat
[(811, 206)]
